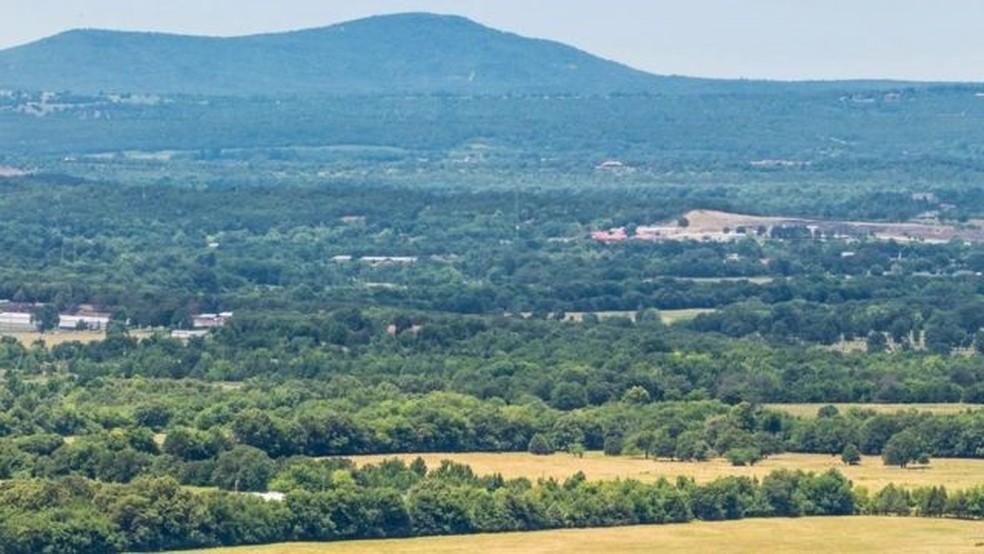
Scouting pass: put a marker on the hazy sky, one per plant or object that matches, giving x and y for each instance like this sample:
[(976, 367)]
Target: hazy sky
[(776, 39)]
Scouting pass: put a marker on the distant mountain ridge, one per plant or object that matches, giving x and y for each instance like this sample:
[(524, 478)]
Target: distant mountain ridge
[(402, 53)]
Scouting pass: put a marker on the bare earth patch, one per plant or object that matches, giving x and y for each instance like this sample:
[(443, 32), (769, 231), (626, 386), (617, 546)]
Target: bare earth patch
[(724, 226)]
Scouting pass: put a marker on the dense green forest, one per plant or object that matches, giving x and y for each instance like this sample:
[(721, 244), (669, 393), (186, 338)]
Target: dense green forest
[(376, 316)]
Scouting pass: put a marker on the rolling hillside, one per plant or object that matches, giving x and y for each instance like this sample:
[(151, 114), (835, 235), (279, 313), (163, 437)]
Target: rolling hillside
[(414, 52)]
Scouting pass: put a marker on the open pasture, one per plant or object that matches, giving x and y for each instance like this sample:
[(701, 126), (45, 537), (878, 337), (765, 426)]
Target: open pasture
[(810, 409), (871, 473), (812, 534), (54, 338)]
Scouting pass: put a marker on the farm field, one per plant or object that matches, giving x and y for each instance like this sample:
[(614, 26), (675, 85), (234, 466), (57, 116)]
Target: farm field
[(810, 409), (871, 473), (54, 338), (831, 534)]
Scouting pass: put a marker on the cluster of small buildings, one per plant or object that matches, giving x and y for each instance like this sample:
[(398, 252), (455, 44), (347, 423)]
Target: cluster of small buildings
[(617, 234), (209, 321), (377, 260), (642, 232), (18, 317), (201, 324)]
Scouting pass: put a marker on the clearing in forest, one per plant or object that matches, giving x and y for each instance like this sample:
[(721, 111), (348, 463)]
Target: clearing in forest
[(54, 338), (953, 473), (810, 409), (724, 226)]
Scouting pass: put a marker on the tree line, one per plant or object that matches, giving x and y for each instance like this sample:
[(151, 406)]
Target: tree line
[(334, 500)]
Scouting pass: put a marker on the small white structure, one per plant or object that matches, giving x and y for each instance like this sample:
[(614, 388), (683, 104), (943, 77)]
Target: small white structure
[(385, 260), (16, 321), (188, 333), (82, 321), (209, 321), (610, 165)]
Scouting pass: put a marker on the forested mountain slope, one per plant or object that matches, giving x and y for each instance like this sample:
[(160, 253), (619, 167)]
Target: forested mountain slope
[(421, 53)]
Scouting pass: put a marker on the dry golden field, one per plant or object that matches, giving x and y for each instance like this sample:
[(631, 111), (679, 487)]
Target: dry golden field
[(871, 473), (54, 338), (832, 534), (810, 410)]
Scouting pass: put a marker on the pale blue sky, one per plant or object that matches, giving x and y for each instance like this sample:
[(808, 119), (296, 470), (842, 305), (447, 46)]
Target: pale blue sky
[(776, 39)]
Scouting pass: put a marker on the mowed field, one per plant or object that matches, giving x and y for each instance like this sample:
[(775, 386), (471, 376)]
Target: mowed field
[(810, 410), (871, 473), (831, 534)]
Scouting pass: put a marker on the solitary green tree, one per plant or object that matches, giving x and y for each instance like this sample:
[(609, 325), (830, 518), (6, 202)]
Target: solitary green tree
[(45, 317), (613, 445), (636, 395), (243, 468), (540, 445), (851, 455), (903, 448), (876, 342), (745, 456)]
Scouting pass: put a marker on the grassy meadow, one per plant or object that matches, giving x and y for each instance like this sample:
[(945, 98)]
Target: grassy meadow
[(54, 338), (61, 336), (871, 473), (832, 534), (810, 409)]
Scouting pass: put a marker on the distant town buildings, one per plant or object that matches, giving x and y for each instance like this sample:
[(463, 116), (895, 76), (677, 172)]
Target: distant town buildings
[(376, 260), (16, 321), (188, 333), (86, 321), (18, 317), (210, 321), (617, 234)]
